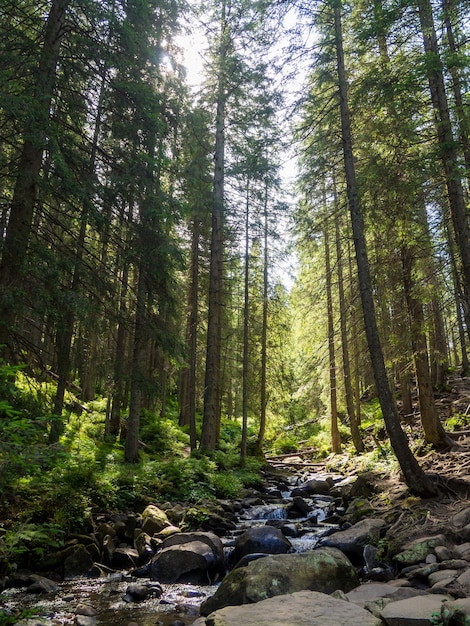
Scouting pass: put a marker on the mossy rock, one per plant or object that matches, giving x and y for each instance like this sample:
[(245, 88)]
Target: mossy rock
[(324, 570), (417, 551)]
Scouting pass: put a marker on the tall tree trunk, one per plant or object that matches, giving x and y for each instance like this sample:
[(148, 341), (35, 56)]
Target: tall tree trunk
[(448, 147), (459, 299), (433, 431), (138, 375), (26, 188), (463, 118), (246, 326), (114, 426), (213, 379), (355, 338), (188, 385), (335, 436), (404, 378), (264, 332), (353, 425), (415, 478), (438, 346)]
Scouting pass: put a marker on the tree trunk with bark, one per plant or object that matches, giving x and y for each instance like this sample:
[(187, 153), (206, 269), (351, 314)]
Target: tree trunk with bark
[(417, 481), (448, 147), (433, 430), (246, 327), (335, 436), (351, 408), (264, 331), (213, 377), (188, 384)]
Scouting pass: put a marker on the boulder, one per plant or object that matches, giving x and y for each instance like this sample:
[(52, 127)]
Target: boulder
[(143, 545), (417, 611), (316, 486), (358, 509), (154, 520), (301, 505), (34, 582), (124, 558), (416, 551), (323, 570), (208, 516), (189, 557), (373, 591), (456, 612), (262, 539), (167, 532), (462, 518), (352, 541), (304, 608)]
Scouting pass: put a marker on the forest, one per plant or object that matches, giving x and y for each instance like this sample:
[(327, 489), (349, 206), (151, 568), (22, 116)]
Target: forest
[(195, 274)]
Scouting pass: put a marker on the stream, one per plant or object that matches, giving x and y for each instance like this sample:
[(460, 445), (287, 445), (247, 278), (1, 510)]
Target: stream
[(303, 522)]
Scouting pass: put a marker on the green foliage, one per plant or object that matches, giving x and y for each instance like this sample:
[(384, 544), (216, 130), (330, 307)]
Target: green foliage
[(22, 428), (226, 485), (28, 539), (9, 619), (459, 421), (187, 479), (162, 436), (61, 486), (285, 443)]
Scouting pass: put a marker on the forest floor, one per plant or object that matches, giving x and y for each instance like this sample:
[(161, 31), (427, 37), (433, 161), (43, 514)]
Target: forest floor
[(411, 517)]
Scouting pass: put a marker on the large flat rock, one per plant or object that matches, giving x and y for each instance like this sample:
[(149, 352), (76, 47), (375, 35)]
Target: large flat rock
[(303, 608), (417, 611)]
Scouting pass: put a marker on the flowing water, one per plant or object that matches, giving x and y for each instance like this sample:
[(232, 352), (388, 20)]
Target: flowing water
[(179, 603)]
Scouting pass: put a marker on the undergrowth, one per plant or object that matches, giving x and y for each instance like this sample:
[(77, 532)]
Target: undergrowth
[(48, 492)]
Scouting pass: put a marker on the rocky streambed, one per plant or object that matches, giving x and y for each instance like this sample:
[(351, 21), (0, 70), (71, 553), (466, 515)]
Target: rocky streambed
[(310, 549)]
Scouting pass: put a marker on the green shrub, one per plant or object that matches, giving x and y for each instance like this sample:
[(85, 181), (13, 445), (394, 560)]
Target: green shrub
[(226, 485), (28, 540), (162, 436), (285, 443)]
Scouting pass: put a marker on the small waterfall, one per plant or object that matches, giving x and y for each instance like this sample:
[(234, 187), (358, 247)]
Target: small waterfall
[(267, 512)]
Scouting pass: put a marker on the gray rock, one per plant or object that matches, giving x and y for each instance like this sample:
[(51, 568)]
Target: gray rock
[(462, 518), (198, 561), (462, 551), (136, 593), (371, 591), (441, 575), (85, 609), (304, 608), (416, 551), (443, 553), (358, 509), (124, 558), (323, 569), (317, 486), (464, 578), (263, 539), (456, 612), (416, 611), (353, 540), (196, 557), (35, 583)]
